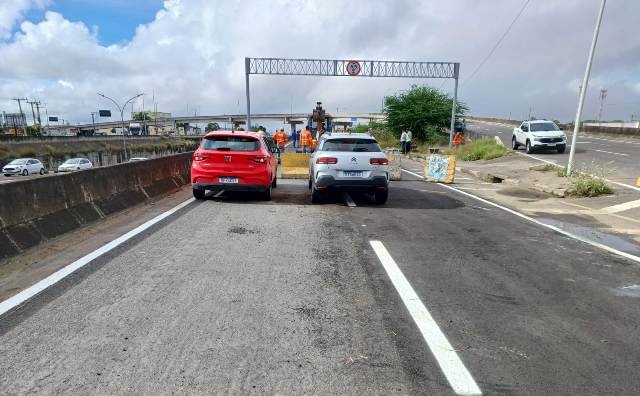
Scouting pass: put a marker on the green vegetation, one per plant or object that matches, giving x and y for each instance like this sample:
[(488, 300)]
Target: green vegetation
[(482, 149), (585, 185), (424, 110), (212, 126)]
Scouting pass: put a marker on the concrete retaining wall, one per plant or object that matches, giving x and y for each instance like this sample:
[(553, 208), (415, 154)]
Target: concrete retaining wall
[(35, 210), (566, 127)]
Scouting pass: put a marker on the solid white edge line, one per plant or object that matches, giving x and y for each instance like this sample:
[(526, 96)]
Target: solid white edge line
[(450, 363), (62, 273), (554, 228), (348, 200)]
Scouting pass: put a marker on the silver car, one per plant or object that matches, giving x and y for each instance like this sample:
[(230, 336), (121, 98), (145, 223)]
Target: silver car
[(24, 167), (349, 162)]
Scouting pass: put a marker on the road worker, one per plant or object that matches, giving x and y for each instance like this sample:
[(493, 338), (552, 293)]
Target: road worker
[(458, 139), (280, 138), (305, 140), (314, 144)]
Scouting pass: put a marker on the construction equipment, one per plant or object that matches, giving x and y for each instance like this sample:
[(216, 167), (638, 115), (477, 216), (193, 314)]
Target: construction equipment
[(319, 120)]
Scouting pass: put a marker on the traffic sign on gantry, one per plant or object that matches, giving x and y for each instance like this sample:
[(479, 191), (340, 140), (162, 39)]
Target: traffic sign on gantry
[(352, 68)]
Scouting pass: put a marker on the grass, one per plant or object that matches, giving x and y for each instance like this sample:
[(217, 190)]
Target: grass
[(585, 185), (386, 139), (582, 183), (482, 149)]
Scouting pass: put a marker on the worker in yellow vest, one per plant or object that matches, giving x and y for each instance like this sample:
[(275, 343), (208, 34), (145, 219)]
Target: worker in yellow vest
[(305, 140)]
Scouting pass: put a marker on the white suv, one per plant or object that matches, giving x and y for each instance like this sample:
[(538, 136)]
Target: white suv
[(349, 162), (539, 134)]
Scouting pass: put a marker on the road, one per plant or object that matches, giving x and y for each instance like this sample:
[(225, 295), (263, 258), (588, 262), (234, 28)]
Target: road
[(616, 158), (231, 295)]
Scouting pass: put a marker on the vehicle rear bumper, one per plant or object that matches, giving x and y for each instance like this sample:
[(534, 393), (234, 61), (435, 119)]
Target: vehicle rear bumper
[(230, 187), (375, 183)]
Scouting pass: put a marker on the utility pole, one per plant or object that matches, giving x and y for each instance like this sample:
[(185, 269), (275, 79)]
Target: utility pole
[(93, 121), (583, 90), (24, 118), (38, 111), (603, 95), (33, 112)]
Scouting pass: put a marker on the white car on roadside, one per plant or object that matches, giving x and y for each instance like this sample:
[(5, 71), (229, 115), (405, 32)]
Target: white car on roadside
[(352, 161), (75, 164), (539, 135), (24, 167)]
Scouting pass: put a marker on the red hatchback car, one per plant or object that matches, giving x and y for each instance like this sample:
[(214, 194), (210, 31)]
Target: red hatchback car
[(234, 161)]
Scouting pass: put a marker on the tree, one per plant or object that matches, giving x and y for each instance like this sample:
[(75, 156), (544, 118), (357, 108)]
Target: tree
[(141, 116), (212, 126), (424, 110)]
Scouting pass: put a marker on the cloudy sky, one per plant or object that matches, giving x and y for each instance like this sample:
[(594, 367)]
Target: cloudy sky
[(188, 55)]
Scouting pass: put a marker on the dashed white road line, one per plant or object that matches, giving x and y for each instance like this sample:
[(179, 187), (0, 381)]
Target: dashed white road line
[(57, 276), (450, 363), (551, 227), (611, 152), (348, 200)]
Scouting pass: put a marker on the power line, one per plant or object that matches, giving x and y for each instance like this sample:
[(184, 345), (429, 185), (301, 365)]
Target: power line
[(498, 43)]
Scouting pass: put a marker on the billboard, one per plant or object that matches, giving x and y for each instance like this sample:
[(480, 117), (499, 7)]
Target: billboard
[(104, 113), (53, 119)]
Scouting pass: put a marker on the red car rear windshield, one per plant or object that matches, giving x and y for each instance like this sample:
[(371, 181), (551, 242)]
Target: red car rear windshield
[(231, 143)]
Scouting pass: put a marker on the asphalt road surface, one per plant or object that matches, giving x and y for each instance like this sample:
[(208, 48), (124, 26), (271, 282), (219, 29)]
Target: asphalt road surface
[(615, 157), (236, 296)]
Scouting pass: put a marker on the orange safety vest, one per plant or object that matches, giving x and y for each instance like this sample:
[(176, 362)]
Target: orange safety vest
[(458, 139), (280, 138), (314, 144), (305, 138)]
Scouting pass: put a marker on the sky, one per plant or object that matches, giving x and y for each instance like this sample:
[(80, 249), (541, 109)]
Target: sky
[(188, 55)]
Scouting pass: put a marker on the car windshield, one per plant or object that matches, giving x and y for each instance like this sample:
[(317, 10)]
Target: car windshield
[(72, 161), (231, 143), (351, 144), (18, 162), (543, 126)]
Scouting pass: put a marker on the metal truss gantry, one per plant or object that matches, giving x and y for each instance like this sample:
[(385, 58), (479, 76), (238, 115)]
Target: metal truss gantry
[(352, 68)]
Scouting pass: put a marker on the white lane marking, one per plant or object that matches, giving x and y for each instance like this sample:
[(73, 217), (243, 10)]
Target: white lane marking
[(348, 200), (611, 152), (554, 228), (621, 207), (219, 194), (555, 163), (463, 178), (454, 370), (57, 276)]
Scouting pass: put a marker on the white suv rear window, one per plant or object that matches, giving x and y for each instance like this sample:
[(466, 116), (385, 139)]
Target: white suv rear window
[(350, 144)]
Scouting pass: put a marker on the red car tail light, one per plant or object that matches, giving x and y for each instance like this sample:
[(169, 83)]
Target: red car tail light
[(259, 160), (327, 160), (378, 161)]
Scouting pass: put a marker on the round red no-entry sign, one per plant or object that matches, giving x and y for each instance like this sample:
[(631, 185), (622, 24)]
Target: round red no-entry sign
[(353, 68)]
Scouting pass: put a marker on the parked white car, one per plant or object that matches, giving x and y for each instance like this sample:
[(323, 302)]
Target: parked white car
[(24, 167), (75, 164), (349, 162), (539, 135)]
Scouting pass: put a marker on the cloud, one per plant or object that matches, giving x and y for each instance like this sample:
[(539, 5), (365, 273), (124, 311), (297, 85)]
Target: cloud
[(192, 55), (13, 11)]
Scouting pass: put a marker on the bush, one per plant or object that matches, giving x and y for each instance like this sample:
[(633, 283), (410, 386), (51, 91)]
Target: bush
[(584, 185), (483, 149)]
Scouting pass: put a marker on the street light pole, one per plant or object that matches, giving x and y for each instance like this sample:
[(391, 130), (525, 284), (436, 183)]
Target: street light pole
[(583, 89), (121, 109)]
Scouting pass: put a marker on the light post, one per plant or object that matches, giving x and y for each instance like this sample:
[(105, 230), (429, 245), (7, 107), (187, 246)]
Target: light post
[(124, 141), (583, 89)]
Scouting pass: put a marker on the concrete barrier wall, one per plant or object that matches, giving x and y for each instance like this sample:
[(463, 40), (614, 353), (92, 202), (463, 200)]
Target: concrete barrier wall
[(566, 127), (35, 210)]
